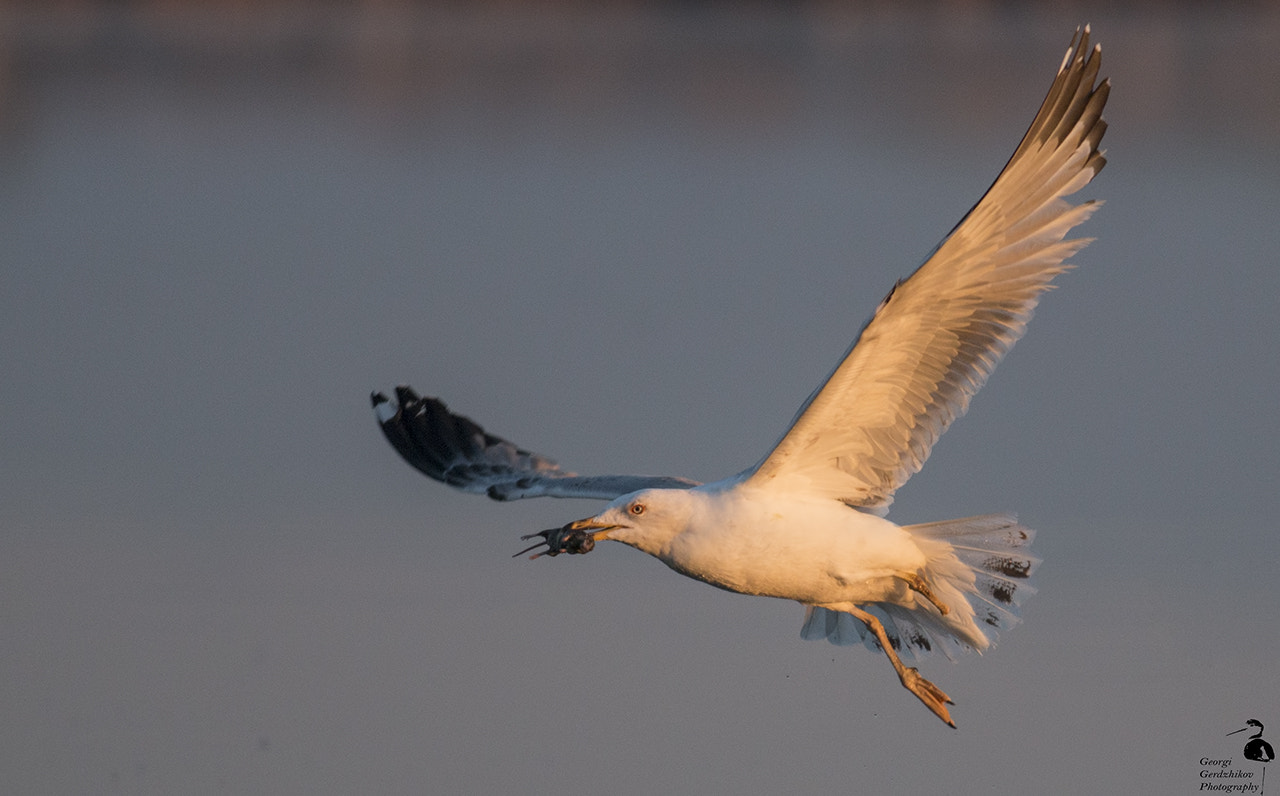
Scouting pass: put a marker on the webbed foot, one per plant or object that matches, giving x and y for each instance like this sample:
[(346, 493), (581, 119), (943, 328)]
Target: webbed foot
[(934, 698)]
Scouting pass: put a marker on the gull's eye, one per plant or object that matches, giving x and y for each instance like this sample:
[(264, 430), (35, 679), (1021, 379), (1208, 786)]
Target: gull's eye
[(637, 509)]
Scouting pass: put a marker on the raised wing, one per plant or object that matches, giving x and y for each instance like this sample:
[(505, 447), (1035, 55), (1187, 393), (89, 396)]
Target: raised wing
[(456, 451), (936, 337)]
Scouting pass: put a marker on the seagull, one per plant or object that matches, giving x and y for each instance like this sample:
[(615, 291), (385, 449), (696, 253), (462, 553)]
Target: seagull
[(807, 522)]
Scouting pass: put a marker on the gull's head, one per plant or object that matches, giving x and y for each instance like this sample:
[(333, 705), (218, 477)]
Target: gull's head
[(647, 520)]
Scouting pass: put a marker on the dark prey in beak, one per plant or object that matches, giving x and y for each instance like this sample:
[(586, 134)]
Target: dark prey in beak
[(576, 538)]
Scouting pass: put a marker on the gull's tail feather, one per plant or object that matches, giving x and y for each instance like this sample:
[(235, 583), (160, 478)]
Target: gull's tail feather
[(979, 567)]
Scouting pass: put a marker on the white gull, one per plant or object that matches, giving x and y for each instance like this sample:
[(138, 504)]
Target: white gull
[(807, 522)]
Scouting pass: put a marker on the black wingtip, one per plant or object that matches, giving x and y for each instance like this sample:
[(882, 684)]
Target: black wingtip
[(378, 399)]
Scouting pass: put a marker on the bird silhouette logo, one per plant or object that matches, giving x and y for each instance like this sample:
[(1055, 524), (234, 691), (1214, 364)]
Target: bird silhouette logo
[(1256, 749)]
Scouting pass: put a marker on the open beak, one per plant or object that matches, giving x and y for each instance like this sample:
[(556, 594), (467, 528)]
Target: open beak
[(576, 538)]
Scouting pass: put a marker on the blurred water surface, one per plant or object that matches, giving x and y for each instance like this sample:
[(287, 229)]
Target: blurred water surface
[(634, 238)]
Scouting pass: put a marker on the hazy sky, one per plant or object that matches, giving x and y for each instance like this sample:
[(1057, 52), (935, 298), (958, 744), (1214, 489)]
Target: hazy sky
[(633, 241)]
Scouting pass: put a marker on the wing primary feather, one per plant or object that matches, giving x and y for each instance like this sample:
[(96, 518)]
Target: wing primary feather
[(937, 336), (457, 451)]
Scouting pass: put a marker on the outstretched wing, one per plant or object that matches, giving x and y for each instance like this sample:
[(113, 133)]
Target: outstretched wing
[(456, 451), (936, 337)]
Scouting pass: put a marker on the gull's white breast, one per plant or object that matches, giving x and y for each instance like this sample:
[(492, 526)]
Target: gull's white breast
[(814, 550)]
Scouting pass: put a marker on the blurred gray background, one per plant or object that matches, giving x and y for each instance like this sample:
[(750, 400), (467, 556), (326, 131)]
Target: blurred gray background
[(632, 237)]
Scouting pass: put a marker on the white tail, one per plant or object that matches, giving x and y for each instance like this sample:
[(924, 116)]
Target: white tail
[(979, 567)]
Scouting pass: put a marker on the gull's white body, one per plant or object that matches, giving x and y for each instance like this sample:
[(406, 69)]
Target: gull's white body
[(757, 541), (806, 522)]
